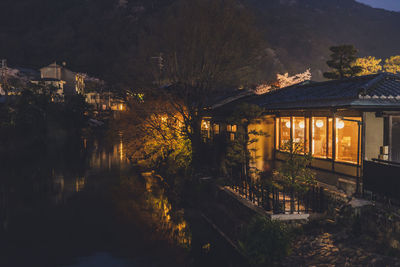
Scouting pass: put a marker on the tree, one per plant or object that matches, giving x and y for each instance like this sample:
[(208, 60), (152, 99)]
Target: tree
[(154, 137), (198, 49), (294, 172), (342, 59), (369, 65), (239, 151), (283, 80), (392, 64)]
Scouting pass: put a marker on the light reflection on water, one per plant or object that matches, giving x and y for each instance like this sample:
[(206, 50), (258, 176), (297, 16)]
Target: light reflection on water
[(84, 206), (171, 223)]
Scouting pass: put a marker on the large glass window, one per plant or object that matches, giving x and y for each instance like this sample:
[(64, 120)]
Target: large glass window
[(277, 124), (307, 139), (319, 134), (347, 139), (299, 132), (330, 136), (285, 127)]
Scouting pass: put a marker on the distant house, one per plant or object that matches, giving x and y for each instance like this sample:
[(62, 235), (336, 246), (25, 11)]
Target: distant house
[(65, 80), (351, 127)]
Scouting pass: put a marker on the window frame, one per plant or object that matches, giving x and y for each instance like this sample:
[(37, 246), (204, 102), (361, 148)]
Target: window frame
[(331, 136)]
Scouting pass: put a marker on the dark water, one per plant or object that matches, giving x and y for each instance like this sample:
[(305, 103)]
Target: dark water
[(81, 204)]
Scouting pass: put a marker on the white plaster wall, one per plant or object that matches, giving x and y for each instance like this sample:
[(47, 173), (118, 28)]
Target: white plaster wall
[(374, 128)]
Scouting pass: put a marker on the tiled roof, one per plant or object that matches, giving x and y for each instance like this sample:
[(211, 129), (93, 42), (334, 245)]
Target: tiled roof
[(364, 91)]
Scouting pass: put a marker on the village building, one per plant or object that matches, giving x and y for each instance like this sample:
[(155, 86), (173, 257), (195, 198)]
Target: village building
[(64, 80), (351, 127)]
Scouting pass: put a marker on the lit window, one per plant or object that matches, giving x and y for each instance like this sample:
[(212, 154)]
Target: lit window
[(277, 123), (205, 129), (299, 129), (307, 139), (216, 128), (231, 129), (347, 138), (319, 134), (285, 126), (330, 135)]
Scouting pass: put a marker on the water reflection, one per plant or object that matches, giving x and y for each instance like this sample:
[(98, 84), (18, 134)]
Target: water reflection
[(170, 223), (83, 204)]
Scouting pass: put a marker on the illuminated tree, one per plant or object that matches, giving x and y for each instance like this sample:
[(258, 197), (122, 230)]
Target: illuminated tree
[(239, 150), (392, 64), (154, 136), (194, 52), (342, 60), (283, 80), (369, 65)]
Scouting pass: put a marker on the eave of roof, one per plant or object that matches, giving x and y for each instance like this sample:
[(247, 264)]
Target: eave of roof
[(379, 90)]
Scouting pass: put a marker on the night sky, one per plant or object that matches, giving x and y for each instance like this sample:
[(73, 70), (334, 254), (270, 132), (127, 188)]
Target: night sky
[(386, 4)]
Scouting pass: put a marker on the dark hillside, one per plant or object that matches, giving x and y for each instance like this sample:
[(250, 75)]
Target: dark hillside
[(99, 36)]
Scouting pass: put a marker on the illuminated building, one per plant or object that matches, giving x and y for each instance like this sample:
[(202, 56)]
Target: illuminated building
[(351, 127)]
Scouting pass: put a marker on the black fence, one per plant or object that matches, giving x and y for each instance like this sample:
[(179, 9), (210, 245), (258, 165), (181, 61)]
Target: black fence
[(281, 201), (382, 178)]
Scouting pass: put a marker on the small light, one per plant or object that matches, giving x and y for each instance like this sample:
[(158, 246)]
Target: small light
[(301, 124), (339, 124), (287, 124), (319, 123)]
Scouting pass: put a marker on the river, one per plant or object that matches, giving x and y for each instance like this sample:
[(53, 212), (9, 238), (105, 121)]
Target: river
[(82, 204)]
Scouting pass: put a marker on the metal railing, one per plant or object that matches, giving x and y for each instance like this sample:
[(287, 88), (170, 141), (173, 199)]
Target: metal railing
[(282, 200)]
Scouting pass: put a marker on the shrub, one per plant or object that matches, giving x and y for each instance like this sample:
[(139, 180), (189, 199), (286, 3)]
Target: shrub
[(265, 242)]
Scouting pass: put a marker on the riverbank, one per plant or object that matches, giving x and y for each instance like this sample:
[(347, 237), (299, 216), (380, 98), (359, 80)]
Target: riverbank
[(367, 236), (84, 204)]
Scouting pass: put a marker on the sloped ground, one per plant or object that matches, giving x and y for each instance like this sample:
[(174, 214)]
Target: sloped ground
[(335, 248), (346, 239), (365, 237)]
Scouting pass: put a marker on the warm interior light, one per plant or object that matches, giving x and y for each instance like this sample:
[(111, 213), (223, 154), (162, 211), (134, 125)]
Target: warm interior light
[(301, 124), (319, 123), (339, 124), (287, 124)]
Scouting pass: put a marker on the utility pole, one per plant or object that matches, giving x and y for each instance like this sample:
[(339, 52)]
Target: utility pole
[(160, 60), (4, 76)]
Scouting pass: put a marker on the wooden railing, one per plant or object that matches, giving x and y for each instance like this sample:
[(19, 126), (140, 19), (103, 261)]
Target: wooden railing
[(282, 201)]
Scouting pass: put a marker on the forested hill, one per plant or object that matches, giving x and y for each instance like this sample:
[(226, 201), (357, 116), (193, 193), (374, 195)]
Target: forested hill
[(302, 30), (99, 36)]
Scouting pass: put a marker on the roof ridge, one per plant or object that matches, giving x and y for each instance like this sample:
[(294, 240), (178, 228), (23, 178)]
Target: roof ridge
[(371, 85), (313, 83)]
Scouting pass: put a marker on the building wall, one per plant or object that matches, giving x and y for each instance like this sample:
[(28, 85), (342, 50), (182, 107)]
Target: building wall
[(374, 134), (51, 72), (70, 78), (264, 147)]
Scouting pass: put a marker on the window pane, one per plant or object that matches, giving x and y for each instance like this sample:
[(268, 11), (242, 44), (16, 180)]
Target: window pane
[(330, 131), (307, 139), (347, 140), (216, 128), (319, 137), (285, 131), (277, 133), (298, 132)]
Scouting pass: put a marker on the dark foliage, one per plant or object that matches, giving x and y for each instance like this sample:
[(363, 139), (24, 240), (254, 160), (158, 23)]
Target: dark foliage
[(100, 36), (342, 59), (265, 242)]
